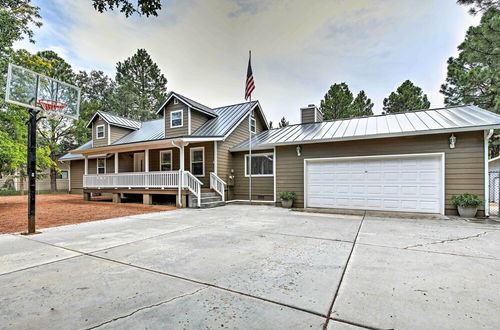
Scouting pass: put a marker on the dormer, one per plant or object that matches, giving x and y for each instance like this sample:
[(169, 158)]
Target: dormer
[(108, 128), (183, 116)]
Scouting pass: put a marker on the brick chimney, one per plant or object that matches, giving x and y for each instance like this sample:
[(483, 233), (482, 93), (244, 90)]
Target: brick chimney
[(311, 114)]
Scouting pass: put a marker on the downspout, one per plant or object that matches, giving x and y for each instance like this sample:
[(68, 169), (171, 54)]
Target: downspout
[(487, 136)]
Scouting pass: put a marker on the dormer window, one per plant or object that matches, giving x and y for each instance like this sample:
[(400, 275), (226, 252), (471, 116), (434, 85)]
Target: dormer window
[(253, 126), (176, 118), (100, 134)]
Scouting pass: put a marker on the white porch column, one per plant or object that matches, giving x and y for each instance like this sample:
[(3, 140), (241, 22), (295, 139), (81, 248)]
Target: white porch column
[(86, 168), (146, 160), (181, 160), (116, 162)]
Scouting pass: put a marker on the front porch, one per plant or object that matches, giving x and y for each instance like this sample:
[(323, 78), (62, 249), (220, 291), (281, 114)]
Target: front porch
[(159, 171)]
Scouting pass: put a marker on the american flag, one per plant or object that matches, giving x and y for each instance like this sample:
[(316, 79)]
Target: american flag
[(250, 84)]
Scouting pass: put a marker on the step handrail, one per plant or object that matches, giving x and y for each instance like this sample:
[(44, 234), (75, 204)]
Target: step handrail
[(218, 185), (193, 184)]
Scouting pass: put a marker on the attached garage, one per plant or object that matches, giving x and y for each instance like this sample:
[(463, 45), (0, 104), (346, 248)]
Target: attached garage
[(404, 183)]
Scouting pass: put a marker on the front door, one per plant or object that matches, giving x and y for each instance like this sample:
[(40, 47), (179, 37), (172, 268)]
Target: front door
[(139, 162)]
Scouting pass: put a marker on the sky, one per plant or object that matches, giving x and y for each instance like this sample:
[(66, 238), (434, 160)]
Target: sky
[(299, 47)]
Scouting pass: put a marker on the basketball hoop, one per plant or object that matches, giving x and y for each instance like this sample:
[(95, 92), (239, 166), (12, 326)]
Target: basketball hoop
[(51, 108)]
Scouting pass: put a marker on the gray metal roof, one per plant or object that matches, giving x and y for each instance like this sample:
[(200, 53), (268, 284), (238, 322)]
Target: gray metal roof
[(227, 117), (149, 131), (68, 156), (431, 121), (116, 120)]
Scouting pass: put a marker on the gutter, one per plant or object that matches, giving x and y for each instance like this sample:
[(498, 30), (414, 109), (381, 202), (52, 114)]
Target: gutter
[(487, 136)]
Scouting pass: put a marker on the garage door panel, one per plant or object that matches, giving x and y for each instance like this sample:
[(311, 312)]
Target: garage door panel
[(412, 184)]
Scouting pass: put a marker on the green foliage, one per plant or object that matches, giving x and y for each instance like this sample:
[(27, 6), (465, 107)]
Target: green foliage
[(407, 97), (466, 200), (479, 5), (474, 76), (288, 195), (17, 17), (283, 123), (144, 7), (141, 87), (339, 102)]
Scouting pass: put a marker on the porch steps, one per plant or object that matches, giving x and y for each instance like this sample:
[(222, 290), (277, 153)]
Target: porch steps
[(208, 200)]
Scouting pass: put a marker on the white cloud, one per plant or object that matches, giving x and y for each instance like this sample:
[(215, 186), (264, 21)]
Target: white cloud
[(299, 47)]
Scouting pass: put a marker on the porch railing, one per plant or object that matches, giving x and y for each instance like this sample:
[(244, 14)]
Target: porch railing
[(218, 185), (167, 179), (193, 185)]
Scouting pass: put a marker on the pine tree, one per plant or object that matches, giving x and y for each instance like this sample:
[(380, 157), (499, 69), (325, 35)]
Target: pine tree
[(474, 76), (141, 87), (337, 102), (407, 97), (362, 105)]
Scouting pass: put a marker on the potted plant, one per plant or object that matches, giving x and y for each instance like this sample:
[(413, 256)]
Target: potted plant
[(466, 204), (287, 198)]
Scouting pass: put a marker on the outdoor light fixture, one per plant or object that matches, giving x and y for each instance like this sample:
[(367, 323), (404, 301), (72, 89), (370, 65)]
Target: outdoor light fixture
[(299, 151), (453, 140)]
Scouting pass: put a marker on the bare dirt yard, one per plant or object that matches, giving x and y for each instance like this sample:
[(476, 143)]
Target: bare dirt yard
[(64, 209)]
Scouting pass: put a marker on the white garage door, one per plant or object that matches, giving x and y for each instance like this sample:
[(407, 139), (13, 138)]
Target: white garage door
[(389, 183)]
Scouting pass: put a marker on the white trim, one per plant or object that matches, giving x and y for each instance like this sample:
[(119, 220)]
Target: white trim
[(176, 100), (103, 132), (274, 172), (69, 176), (487, 135), (186, 103), (116, 160), (146, 160), (258, 155), (97, 165), (109, 134), (442, 154), (189, 120), (215, 157), (182, 118), (191, 150), (254, 121), (171, 159)]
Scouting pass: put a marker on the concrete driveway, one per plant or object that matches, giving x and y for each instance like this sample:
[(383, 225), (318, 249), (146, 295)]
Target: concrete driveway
[(253, 267)]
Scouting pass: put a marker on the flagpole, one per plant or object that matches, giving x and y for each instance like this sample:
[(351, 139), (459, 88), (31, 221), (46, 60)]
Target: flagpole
[(250, 139)]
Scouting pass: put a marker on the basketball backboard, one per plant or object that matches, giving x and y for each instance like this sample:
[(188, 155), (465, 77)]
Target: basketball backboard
[(29, 89)]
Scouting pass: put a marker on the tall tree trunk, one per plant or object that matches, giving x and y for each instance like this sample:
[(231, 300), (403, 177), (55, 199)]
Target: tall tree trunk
[(21, 185), (53, 174)]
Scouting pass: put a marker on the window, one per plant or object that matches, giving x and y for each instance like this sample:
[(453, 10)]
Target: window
[(262, 164), (101, 166), (253, 126), (176, 101), (176, 119), (62, 175), (99, 129), (166, 160), (198, 161)]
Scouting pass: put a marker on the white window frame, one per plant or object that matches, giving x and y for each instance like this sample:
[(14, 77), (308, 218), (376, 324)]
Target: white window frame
[(97, 132), (182, 118), (191, 151), (171, 159), (258, 155), (253, 124), (62, 176), (176, 101), (97, 165)]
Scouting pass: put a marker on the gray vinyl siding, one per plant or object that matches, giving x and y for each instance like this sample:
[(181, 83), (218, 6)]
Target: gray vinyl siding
[(464, 165), (307, 115), (118, 132), (179, 131), (76, 180), (197, 120), (262, 187), (99, 142)]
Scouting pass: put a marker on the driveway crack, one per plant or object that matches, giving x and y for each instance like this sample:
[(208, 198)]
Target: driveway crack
[(148, 307), (448, 240)]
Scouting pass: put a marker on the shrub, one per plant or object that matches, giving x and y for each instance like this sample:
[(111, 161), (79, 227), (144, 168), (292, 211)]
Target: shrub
[(466, 200), (288, 195)]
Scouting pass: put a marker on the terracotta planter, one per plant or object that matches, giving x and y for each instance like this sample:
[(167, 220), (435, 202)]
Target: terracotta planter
[(467, 212), (287, 203)]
